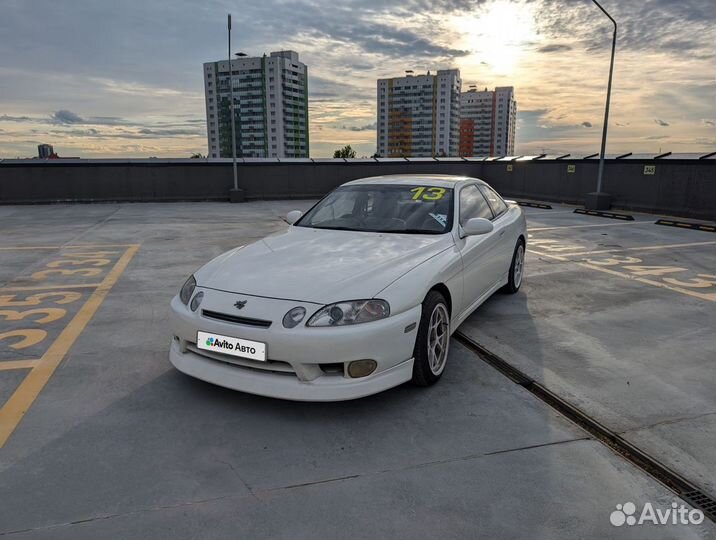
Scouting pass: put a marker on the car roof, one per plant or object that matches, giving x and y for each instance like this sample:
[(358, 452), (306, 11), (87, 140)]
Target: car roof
[(438, 180)]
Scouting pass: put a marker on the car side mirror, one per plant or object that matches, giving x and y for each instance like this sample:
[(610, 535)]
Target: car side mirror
[(293, 216), (477, 226)]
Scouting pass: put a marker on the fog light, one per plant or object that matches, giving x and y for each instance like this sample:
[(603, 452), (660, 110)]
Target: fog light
[(361, 368), (198, 297)]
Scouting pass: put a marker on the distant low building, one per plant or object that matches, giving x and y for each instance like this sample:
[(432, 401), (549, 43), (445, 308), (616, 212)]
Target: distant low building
[(418, 115), (487, 122), (45, 151), (270, 106)]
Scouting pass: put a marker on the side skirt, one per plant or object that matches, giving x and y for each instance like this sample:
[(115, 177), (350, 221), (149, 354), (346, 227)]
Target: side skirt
[(455, 323)]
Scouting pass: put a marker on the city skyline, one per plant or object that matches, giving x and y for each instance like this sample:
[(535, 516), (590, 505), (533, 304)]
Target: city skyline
[(126, 80)]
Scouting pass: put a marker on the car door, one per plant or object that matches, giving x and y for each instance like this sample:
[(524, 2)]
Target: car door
[(480, 272), (504, 229)]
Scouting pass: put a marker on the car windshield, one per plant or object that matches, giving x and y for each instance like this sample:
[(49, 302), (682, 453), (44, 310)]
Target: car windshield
[(412, 209)]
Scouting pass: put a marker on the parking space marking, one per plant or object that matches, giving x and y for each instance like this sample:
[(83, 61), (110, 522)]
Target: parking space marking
[(68, 246), (46, 287), (644, 248), (18, 364), (633, 268), (41, 369), (535, 229)]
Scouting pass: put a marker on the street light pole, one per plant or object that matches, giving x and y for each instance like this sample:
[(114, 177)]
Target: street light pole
[(233, 126), (600, 200)]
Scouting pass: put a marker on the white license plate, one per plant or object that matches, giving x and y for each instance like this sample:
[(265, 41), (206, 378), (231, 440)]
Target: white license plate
[(244, 348)]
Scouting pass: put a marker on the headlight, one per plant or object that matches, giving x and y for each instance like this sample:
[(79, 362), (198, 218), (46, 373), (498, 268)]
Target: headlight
[(351, 312), (187, 290), (294, 316)]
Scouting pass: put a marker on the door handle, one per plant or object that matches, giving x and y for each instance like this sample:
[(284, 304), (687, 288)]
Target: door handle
[(502, 232)]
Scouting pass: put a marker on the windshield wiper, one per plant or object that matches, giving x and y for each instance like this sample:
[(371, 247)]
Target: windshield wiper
[(388, 231), (411, 231), (336, 228)]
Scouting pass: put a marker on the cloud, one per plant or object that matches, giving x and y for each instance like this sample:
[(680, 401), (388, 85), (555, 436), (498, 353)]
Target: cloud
[(64, 116), (76, 132), (556, 47), (367, 127), (360, 66), (143, 73), (162, 132), (661, 122), (8, 118), (586, 124)]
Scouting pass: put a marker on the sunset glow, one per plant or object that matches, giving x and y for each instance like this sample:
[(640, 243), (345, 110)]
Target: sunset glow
[(138, 90)]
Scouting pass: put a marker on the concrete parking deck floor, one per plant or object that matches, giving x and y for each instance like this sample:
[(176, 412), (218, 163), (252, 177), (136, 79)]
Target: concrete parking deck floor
[(104, 439)]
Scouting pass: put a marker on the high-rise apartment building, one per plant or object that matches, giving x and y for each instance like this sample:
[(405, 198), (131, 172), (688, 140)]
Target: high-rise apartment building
[(270, 106), (487, 122), (418, 115)]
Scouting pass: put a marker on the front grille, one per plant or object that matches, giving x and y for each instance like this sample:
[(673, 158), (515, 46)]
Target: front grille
[(275, 366), (248, 321)]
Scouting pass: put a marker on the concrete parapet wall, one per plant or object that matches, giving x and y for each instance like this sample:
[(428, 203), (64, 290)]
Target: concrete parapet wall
[(678, 187)]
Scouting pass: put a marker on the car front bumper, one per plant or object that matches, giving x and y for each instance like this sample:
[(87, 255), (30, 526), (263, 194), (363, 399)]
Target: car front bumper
[(324, 388), (296, 357)]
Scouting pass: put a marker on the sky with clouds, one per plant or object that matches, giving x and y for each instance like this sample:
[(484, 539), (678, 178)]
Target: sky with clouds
[(124, 78)]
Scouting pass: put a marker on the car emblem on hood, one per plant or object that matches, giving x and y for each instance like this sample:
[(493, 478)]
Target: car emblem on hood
[(240, 304)]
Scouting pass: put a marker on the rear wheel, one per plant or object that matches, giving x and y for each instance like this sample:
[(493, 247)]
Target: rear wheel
[(433, 341), (517, 269)]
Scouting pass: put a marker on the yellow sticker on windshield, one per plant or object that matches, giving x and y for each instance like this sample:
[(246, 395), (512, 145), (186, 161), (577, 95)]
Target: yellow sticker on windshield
[(428, 193)]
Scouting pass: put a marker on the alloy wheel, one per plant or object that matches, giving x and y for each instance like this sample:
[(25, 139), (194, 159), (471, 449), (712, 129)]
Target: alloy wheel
[(519, 265), (438, 338)]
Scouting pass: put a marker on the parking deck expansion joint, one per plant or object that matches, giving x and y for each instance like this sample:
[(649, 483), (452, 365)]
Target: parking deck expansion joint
[(679, 485)]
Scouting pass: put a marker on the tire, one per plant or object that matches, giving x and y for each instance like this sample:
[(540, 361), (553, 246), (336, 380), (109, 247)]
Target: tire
[(517, 269), (427, 366)]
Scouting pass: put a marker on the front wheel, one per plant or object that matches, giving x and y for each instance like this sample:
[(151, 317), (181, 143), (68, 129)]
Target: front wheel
[(433, 341), (517, 269)]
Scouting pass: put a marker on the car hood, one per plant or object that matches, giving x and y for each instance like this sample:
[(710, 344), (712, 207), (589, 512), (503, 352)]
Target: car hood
[(321, 266)]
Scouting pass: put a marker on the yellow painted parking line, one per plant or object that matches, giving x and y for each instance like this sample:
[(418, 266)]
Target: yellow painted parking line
[(641, 248), (18, 364), (19, 403), (701, 296), (61, 246), (535, 229), (44, 287), (555, 257), (711, 297)]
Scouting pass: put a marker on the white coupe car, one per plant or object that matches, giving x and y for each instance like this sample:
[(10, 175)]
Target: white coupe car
[(360, 294)]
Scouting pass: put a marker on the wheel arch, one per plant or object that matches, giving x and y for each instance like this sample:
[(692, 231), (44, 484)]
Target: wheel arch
[(443, 289)]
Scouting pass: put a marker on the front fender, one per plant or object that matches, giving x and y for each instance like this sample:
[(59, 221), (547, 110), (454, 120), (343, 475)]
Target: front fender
[(410, 289)]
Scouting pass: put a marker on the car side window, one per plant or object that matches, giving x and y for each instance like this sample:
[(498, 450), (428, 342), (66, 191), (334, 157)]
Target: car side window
[(496, 203), (473, 205)]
